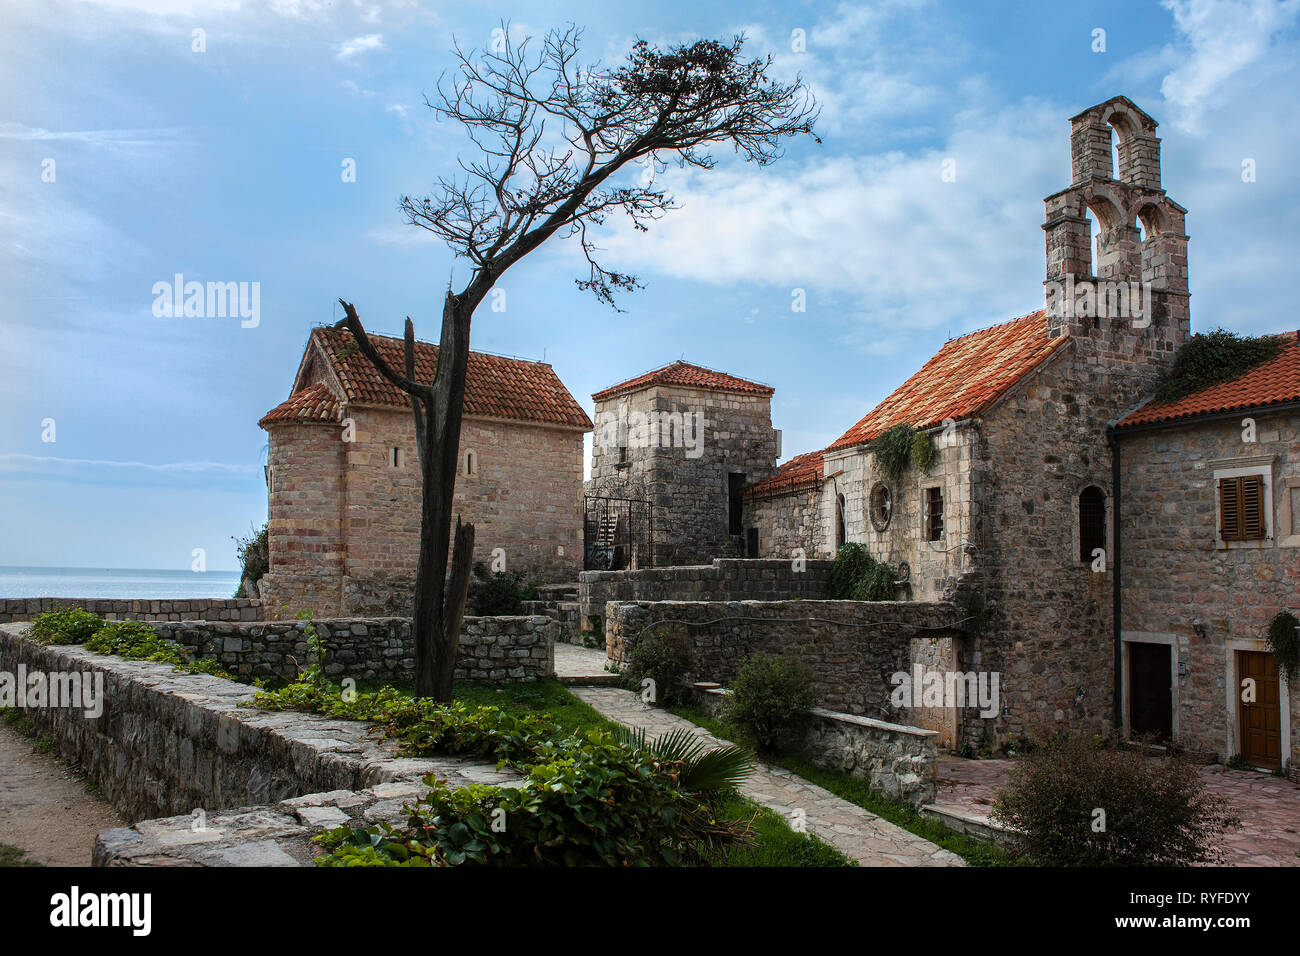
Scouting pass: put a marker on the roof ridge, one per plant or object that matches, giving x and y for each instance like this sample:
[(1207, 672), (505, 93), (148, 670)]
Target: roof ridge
[(434, 345), (995, 325)]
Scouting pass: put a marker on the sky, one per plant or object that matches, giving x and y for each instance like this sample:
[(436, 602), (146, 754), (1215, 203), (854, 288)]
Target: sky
[(141, 139)]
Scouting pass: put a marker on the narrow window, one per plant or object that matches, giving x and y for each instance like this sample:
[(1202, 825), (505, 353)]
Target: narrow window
[(1241, 508), (735, 503), (1092, 522), (934, 514), (841, 531), (471, 463), (395, 459)]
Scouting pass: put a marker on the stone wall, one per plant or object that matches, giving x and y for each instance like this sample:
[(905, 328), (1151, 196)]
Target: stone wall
[(852, 647), (1184, 587), (689, 490), (899, 761), (169, 743), (497, 650), (787, 522), (137, 609), (726, 579)]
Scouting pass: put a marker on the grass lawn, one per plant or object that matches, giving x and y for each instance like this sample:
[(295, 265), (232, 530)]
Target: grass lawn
[(13, 856), (856, 790)]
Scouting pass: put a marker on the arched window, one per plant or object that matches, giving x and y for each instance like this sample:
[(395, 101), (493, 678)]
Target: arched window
[(1092, 522), (471, 463), (841, 531)]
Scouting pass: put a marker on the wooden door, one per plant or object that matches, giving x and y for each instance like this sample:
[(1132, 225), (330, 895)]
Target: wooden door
[(1151, 699), (1260, 721)]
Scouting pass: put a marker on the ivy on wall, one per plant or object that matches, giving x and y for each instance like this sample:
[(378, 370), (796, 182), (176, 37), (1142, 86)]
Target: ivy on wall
[(1284, 642), (903, 445), (1208, 358)]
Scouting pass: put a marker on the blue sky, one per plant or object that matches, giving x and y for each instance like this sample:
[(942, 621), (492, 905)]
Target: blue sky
[(225, 165)]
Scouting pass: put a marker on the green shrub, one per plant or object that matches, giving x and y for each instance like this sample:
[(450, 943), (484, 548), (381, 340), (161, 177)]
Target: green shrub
[(663, 656), (771, 699), (1208, 358), (1284, 642), (254, 554), (64, 625), (1156, 809), (857, 576), (900, 446), (499, 593)]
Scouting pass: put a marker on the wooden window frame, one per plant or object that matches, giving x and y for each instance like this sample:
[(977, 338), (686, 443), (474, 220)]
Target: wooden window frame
[(933, 522)]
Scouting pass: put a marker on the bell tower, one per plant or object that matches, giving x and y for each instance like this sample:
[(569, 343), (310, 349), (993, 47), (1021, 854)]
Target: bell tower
[(1129, 293)]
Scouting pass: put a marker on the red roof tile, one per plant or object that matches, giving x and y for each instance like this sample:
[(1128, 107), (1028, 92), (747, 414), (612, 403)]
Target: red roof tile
[(798, 472), (315, 403), (963, 378), (1272, 383), (686, 374), (495, 386)]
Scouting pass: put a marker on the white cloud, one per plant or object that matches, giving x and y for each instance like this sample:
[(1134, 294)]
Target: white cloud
[(358, 45), (1226, 37), (31, 463)]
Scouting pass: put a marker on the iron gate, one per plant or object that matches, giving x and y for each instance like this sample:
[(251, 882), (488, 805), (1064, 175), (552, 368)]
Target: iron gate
[(617, 528)]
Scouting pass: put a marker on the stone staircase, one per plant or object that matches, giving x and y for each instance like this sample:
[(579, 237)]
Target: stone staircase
[(560, 603)]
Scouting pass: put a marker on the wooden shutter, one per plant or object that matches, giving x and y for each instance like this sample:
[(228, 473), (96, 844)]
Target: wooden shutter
[(1252, 506), (1230, 509), (1241, 508)]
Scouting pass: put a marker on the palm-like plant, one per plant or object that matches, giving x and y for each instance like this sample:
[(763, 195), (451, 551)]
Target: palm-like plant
[(702, 770)]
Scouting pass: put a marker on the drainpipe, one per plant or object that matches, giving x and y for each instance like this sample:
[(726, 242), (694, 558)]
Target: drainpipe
[(1116, 584)]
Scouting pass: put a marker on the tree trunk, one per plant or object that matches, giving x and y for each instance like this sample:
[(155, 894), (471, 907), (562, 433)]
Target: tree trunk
[(439, 600)]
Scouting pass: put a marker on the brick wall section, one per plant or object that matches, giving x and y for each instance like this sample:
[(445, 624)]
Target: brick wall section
[(498, 650), (137, 609), (167, 743), (1177, 576), (726, 579), (690, 494), (524, 498), (852, 648)]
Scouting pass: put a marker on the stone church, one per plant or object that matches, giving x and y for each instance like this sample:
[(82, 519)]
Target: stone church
[(343, 477), (1086, 530)]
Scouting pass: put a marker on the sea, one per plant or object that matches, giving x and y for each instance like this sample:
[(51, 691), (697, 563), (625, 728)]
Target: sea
[(120, 583)]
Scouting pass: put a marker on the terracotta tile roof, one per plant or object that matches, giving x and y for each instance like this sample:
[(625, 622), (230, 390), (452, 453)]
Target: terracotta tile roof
[(315, 403), (963, 378), (800, 471), (1272, 383), (495, 386), (686, 374)]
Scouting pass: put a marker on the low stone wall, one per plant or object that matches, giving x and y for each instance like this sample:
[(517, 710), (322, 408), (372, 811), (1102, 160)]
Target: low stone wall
[(852, 647), (168, 743), (726, 579), (13, 610), (901, 762), (498, 650)]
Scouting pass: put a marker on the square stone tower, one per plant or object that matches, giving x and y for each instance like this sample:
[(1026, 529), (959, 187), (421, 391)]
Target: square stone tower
[(689, 441)]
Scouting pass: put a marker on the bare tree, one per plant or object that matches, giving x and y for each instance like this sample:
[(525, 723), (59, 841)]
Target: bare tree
[(551, 137)]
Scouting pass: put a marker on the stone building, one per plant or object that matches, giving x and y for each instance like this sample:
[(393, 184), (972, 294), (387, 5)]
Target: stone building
[(688, 441), (343, 477), (1209, 508), (1012, 521)]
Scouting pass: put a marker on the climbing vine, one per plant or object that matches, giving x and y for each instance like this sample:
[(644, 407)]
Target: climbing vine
[(903, 445), (1284, 642), (1208, 358)]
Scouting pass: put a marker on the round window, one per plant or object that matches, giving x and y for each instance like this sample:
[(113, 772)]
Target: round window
[(881, 505)]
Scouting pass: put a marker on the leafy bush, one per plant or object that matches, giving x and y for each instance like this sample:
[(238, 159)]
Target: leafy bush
[(64, 625), (1284, 642), (1208, 358), (663, 656), (498, 593), (771, 699), (857, 576), (1157, 811), (900, 446), (254, 557)]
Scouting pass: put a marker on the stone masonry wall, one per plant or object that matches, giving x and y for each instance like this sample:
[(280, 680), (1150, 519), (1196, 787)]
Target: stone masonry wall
[(1183, 586), (497, 650), (169, 743), (137, 609), (726, 579), (852, 647), (791, 521), (690, 494)]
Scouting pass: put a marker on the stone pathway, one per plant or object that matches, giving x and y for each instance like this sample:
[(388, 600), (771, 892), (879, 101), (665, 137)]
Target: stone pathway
[(855, 832), (1269, 806), (582, 666)]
